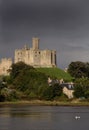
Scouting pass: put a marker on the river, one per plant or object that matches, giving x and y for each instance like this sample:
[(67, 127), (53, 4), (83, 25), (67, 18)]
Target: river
[(26, 117)]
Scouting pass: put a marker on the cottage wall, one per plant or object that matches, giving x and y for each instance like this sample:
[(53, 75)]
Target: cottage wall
[(68, 92)]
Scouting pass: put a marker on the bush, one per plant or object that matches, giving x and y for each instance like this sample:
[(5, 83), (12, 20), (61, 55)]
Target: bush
[(81, 88), (9, 95)]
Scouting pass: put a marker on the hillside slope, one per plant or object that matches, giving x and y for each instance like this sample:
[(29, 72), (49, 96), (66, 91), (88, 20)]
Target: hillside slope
[(56, 73)]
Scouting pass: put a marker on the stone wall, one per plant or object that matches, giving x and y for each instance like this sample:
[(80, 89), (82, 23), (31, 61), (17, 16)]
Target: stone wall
[(5, 65)]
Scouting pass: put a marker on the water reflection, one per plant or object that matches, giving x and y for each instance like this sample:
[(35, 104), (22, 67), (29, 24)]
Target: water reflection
[(24, 111), (25, 117)]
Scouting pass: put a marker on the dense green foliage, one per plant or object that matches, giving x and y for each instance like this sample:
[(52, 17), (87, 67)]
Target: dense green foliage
[(56, 73), (79, 69), (26, 82), (52, 92), (81, 88), (29, 83), (17, 68)]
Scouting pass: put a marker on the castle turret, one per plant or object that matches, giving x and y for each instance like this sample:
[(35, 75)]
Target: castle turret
[(35, 43)]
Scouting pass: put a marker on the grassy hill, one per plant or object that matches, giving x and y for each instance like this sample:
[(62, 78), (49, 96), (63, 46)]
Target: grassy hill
[(56, 73)]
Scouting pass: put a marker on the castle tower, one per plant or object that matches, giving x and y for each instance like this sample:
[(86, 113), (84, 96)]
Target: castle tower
[(35, 43)]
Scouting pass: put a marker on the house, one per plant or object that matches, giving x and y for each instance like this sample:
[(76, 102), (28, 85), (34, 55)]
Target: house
[(68, 89)]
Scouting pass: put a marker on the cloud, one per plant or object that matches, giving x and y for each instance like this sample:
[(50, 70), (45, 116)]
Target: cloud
[(62, 25)]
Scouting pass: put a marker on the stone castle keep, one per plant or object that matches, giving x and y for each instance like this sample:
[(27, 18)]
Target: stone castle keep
[(31, 56), (36, 57)]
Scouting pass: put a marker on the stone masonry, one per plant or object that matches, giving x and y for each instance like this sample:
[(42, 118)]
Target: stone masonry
[(36, 57), (5, 65)]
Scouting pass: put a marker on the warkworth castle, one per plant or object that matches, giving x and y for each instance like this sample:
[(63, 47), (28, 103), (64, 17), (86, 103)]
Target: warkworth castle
[(31, 56)]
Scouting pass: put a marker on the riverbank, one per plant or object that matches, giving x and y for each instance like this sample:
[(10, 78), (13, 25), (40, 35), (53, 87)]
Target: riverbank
[(48, 103)]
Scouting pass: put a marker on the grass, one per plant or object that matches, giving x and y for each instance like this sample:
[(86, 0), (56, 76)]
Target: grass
[(56, 73), (48, 103)]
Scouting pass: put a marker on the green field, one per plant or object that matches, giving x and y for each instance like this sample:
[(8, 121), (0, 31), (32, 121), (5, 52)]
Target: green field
[(56, 73)]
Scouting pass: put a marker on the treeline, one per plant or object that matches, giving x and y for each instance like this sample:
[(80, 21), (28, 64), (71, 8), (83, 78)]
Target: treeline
[(25, 82)]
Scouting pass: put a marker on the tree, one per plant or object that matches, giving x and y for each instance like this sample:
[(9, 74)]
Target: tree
[(28, 80), (50, 92), (78, 69), (87, 69), (81, 88), (32, 83), (16, 68), (57, 90)]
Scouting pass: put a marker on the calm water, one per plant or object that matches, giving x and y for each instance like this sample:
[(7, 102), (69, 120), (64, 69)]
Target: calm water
[(25, 117)]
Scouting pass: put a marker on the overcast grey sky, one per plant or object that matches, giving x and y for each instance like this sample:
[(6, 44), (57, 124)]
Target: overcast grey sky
[(62, 25)]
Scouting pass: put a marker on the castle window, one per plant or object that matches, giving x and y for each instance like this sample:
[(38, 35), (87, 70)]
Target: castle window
[(19, 53), (19, 59)]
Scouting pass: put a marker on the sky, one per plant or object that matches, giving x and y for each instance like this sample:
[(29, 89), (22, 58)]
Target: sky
[(61, 25)]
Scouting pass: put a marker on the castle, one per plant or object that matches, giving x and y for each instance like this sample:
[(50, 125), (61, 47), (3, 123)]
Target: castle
[(31, 56)]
